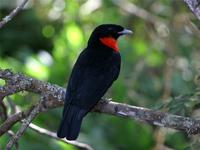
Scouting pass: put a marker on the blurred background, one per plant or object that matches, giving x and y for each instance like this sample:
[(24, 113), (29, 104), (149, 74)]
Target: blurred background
[(160, 66)]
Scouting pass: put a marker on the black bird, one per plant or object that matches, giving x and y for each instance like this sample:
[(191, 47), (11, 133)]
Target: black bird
[(96, 68)]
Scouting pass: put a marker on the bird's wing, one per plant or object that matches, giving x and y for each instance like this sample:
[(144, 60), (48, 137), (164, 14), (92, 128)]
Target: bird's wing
[(92, 89), (88, 83)]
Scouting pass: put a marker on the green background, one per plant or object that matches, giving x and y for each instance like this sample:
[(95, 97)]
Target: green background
[(160, 62)]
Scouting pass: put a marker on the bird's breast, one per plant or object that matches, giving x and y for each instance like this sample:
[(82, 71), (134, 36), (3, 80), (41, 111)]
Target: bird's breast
[(103, 63)]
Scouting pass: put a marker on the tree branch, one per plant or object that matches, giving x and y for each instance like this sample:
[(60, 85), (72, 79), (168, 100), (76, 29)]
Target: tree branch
[(11, 133), (194, 6), (5, 126), (25, 124), (12, 13), (54, 96), (54, 136)]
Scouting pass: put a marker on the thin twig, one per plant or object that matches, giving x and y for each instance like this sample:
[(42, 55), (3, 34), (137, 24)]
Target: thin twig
[(5, 126), (194, 6), (12, 14), (24, 125), (54, 136), (11, 133)]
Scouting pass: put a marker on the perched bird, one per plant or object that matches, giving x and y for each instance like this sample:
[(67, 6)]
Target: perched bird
[(96, 68)]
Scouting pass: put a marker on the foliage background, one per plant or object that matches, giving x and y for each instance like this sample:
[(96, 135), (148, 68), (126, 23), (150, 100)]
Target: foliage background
[(160, 62)]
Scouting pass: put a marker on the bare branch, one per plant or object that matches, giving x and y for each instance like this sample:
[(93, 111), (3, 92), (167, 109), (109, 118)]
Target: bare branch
[(12, 14), (186, 124), (5, 126), (18, 82), (194, 6), (21, 115), (25, 124), (54, 96), (11, 133), (54, 136)]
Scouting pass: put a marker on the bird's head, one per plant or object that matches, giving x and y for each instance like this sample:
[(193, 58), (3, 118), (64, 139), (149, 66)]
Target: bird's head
[(107, 35)]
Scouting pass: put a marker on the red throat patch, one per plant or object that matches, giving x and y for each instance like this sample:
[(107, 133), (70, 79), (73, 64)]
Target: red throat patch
[(110, 42)]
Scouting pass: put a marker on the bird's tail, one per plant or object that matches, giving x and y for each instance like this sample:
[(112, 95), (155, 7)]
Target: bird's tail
[(71, 122)]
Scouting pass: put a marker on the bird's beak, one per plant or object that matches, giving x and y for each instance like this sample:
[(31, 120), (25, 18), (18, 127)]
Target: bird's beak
[(125, 31)]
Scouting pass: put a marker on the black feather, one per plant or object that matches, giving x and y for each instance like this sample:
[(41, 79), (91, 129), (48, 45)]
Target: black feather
[(94, 71)]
